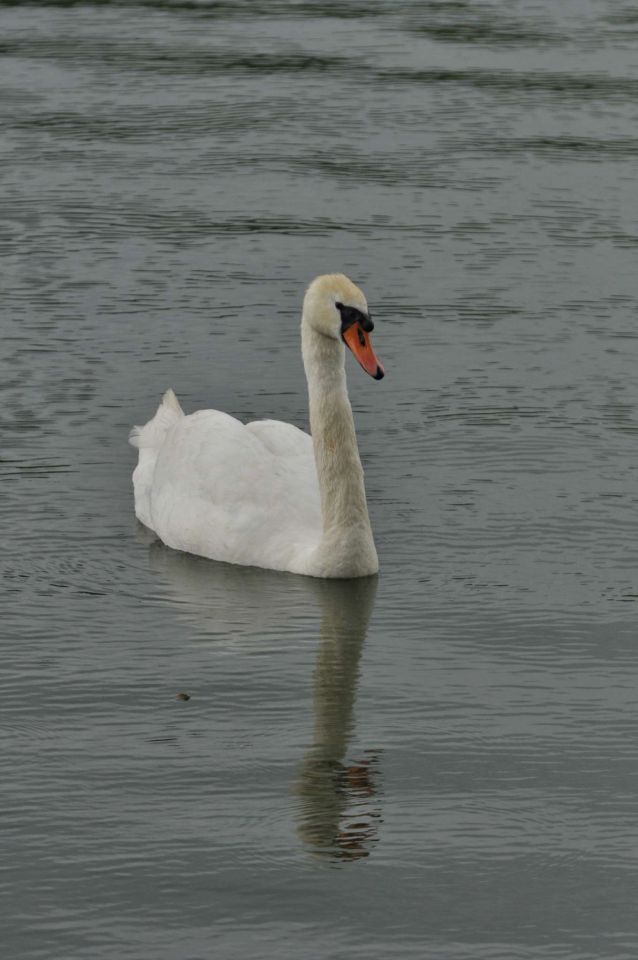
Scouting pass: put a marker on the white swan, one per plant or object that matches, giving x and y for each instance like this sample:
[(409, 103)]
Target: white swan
[(265, 493)]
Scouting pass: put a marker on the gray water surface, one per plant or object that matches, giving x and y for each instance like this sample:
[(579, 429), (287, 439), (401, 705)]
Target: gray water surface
[(439, 763)]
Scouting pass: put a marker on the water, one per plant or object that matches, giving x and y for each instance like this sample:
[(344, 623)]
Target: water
[(439, 764)]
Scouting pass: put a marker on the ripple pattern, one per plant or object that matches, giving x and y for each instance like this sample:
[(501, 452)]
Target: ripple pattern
[(440, 764)]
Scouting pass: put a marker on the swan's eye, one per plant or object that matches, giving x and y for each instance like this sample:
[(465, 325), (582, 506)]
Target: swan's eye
[(350, 316)]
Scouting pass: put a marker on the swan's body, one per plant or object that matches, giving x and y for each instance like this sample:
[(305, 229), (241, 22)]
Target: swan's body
[(265, 493), (244, 493)]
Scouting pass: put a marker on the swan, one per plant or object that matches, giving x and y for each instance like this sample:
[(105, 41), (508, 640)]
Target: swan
[(265, 493)]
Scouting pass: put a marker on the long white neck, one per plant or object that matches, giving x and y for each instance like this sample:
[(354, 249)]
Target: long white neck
[(347, 547)]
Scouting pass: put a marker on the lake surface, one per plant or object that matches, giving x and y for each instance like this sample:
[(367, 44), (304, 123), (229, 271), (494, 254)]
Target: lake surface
[(439, 763)]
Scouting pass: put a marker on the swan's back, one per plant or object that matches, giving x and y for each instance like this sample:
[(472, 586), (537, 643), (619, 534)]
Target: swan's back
[(243, 493)]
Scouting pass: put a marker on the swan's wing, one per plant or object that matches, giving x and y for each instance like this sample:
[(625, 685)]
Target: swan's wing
[(282, 439), (243, 494)]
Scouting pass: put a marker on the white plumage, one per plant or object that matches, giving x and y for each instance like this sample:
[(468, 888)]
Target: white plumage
[(253, 493)]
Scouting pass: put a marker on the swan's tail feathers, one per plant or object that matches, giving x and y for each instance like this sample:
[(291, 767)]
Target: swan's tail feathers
[(152, 433), (148, 439), (170, 400)]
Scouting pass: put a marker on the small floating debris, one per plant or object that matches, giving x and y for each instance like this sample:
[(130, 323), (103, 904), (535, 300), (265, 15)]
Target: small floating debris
[(182, 696)]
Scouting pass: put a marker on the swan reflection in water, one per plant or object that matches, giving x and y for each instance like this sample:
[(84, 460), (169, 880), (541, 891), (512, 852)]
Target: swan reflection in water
[(338, 806), (339, 812)]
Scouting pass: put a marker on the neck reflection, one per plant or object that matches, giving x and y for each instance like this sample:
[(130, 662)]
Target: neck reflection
[(339, 811)]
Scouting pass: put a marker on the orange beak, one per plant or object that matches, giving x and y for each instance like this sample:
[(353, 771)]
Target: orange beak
[(356, 338)]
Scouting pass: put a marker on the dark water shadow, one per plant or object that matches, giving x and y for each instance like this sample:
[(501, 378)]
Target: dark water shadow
[(233, 9), (513, 84), (338, 811), (481, 25)]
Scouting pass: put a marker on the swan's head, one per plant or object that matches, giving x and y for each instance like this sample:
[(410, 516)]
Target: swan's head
[(335, 307)]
